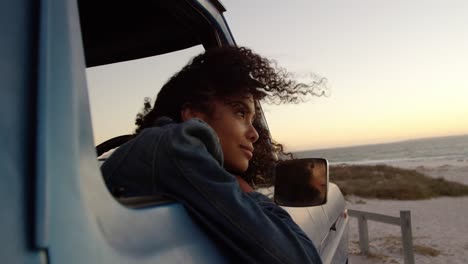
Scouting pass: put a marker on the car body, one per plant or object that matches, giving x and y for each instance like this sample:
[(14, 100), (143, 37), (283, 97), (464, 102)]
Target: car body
[(56, 208)]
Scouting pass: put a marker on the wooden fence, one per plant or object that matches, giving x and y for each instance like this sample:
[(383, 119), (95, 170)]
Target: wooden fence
[(404, 221)]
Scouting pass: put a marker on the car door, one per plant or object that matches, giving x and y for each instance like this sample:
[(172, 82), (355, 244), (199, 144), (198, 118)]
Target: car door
[(61, 209)]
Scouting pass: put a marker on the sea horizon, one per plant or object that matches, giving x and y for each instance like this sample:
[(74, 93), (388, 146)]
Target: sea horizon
[(442, 147)]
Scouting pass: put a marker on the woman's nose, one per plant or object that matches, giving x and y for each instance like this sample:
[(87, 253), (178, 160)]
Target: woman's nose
[(253, 134)]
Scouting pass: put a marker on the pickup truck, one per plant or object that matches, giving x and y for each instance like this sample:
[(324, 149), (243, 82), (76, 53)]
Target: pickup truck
[(55, 205)]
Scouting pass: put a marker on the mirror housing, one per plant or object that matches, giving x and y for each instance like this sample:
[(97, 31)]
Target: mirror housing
[(301, 182)]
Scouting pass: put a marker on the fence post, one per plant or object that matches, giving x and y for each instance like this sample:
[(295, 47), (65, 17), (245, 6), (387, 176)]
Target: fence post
[(363, 234), (407, 237)]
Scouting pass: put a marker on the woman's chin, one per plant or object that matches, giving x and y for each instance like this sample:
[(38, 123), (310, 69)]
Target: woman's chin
[(237, 169)]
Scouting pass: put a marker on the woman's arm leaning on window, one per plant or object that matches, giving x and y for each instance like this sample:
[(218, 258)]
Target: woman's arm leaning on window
[(188, 167)]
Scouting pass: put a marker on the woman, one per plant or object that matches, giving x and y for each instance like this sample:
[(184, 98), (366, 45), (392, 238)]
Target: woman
[(296, 192), (200, 143)]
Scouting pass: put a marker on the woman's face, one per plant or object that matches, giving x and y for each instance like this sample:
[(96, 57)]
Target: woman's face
[(232, 120), (319, 178)]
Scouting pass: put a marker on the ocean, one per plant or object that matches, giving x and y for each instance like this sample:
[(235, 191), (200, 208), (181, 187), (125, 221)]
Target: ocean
[(452, 147)]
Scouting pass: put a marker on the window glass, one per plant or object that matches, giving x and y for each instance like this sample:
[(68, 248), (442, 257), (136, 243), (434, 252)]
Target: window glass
[(117, 90)]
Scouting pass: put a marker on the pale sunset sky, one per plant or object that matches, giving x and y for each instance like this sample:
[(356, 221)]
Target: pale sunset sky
[(396, 70)]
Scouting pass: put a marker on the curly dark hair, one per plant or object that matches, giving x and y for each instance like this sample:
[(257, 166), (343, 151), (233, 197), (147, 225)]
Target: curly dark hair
[(224, 72)]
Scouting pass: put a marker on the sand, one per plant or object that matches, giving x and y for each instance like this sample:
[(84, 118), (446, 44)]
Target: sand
[(439, 226)]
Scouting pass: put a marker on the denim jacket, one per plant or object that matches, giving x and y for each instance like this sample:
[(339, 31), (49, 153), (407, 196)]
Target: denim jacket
[(184, 161)]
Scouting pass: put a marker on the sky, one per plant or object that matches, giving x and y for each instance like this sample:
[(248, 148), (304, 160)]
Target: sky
[(395, 70)]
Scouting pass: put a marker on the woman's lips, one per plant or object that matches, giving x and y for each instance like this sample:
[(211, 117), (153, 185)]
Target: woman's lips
[(247, 151)]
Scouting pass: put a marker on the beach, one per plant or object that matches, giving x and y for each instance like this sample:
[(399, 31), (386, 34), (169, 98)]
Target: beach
[(439, 225)]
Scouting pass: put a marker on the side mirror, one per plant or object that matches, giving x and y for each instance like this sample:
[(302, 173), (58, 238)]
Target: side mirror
[(301, 182)]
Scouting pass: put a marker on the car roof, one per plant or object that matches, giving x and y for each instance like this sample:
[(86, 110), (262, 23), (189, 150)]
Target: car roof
[(116, 31)]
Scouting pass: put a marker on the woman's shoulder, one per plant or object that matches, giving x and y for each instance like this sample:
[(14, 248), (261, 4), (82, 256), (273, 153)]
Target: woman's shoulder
[(167, 134), (193, 135), (163, 124), (167, 139)]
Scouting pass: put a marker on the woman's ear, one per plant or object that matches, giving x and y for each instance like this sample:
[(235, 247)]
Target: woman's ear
[(188, 112)]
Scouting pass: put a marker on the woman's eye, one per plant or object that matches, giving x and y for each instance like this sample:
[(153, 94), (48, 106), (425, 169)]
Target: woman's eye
[(241, 113)]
